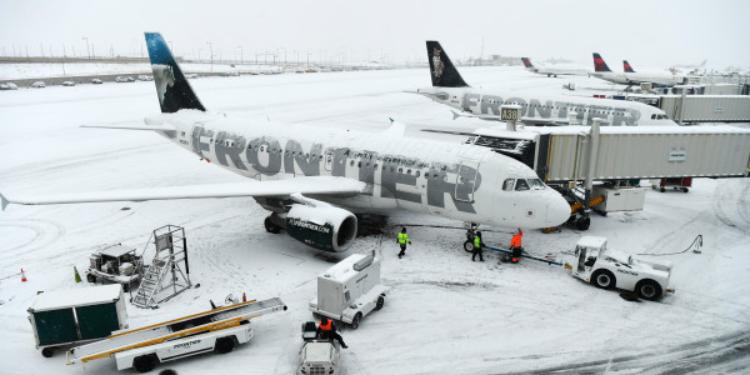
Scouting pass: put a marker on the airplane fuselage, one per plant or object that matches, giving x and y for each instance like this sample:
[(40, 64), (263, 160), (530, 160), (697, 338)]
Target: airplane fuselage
[(637, 78), (549, 110), (462, 182)]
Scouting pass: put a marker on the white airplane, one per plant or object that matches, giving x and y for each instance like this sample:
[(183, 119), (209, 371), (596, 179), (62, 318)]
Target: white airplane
[(450, 89), (631, 78), (315, 180), (553, 71)]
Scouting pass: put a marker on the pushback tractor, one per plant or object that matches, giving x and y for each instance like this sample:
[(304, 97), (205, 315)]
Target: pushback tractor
[(611, 269)]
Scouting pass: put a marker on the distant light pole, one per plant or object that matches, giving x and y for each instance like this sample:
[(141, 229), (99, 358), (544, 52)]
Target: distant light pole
[(211, 51), (88, 49), (242, 57)]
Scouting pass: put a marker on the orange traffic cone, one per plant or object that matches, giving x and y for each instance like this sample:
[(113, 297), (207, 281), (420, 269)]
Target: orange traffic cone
[(244, 297), (23, 276)]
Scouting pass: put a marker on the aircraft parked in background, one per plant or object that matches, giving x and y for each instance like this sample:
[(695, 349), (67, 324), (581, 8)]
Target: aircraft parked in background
[(450, 89), (632, 78), (553, 71)]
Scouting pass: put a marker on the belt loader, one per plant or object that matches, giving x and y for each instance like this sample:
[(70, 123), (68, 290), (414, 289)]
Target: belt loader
[(219, 329)]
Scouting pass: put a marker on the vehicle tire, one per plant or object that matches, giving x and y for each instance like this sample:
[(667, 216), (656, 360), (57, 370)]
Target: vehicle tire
[(225, 345), (685, 190), (379, 304), (48, 352), (270, 226), (145, 363), (649, 290), (468, 246), (583, 223), (90, 278), (662, 189), (603, 279), (356, 321)]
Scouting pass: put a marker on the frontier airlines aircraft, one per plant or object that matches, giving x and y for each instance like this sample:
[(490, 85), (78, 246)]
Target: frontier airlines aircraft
[(450, 89), (314, 181)]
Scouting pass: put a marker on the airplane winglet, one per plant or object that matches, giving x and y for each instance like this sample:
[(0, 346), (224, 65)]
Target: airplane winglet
[(3, 201)]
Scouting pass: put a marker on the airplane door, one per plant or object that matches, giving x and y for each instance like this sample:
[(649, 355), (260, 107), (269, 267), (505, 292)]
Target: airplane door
[(466, 178)]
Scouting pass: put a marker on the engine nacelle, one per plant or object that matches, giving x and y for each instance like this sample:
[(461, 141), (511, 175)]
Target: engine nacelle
[(322, 226)]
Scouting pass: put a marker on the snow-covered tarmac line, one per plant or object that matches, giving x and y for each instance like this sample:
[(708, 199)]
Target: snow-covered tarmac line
[(444, 314)]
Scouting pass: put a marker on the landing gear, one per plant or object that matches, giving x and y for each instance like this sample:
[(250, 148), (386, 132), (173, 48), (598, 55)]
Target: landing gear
[(580, 221), (271, 227)]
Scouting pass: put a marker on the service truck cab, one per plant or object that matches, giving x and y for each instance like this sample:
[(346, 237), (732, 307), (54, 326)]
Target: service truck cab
[(350, 290), (610, 269)]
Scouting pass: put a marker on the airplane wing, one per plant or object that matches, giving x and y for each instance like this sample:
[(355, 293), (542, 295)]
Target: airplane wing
[(313, 185)]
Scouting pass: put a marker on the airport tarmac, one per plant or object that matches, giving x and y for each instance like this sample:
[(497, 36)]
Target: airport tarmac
[(444, 314)]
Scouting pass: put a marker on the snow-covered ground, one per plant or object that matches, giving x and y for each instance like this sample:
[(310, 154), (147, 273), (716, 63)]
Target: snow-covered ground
[(444, 315)]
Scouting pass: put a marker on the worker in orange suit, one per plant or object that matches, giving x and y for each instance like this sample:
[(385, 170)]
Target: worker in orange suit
[(516, 246)]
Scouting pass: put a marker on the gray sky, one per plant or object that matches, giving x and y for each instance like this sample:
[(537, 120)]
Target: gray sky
[(647, 33)]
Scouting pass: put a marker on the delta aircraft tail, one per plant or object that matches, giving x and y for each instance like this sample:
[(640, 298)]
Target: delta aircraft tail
[(442, 71), (626, 67), (599, 64), (173, 89), (527, 63)]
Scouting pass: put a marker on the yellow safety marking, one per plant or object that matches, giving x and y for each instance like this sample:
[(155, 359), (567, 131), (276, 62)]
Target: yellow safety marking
[(193, 316), (209, 327)]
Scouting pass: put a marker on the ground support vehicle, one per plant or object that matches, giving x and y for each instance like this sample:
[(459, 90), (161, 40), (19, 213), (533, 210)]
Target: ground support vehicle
[(611, 269), (219, 329), (69, 317), (350, 290), (318, 356), (117, 264)]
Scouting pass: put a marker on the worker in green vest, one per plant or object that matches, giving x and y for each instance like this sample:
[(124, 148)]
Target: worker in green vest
[(402, 239), (477, 247)]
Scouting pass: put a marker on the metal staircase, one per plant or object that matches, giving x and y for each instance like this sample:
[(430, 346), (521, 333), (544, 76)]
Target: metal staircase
[(165, 277)]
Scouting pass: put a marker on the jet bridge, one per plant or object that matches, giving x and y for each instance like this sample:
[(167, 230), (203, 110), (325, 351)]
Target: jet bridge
[(560, 155)]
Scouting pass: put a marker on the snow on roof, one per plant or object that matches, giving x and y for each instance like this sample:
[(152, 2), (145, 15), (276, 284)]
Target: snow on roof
[(115, 251), (77, 297), (344, 269), (592, 242)]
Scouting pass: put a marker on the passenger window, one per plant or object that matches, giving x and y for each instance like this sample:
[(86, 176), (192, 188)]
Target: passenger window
[(508, 184), (521, 185)]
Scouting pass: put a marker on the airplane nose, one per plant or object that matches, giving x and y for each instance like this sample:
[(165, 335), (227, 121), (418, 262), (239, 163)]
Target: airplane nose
[(558, 209)]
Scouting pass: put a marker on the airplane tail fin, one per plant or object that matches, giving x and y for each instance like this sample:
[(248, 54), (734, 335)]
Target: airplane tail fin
[(527, 63), (172, 88), (626, 67), (442, 71), (599, 64)]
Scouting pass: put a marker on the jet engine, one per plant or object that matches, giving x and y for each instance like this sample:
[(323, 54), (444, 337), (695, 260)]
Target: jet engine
[(320, 225)]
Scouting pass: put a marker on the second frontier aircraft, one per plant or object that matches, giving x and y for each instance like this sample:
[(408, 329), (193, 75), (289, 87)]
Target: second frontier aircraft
[(449, 88)]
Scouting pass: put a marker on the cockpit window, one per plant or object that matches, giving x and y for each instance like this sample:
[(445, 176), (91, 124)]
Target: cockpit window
[(508, 184), (536, 184), (522, 185)]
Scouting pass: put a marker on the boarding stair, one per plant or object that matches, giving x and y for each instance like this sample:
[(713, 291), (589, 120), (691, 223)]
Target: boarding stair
[(169, 272)]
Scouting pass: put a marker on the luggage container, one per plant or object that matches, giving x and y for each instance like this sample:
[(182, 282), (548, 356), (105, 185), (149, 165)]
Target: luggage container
[(70, 317)]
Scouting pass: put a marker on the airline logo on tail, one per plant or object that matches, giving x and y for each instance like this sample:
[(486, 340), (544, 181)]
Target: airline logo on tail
[(626, 67), (437, 62), (599, 64), (527, 63)]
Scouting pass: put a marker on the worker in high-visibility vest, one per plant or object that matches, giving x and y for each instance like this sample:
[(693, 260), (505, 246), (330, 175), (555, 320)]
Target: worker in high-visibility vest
[(327, 331), (402, 239), (477, 247), (516, 246)]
